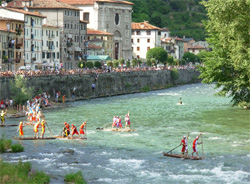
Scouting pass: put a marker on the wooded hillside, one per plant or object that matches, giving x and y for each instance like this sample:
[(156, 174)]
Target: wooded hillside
[(182, 17)]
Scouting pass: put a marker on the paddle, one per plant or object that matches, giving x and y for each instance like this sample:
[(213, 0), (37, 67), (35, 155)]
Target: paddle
[(173, 149), (15, 132), (49, 129)]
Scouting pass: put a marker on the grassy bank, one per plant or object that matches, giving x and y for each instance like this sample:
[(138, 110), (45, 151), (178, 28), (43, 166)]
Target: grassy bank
[(21, 173), (76, 178), (7, 146)]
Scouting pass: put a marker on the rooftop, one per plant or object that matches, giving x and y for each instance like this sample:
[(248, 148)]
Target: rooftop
[(143, 26), (43, 4), (97, 32), (25, 12), (4, 29), (91, 2), (196, 47)]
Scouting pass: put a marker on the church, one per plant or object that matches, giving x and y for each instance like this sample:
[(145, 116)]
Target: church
[(112, 16)]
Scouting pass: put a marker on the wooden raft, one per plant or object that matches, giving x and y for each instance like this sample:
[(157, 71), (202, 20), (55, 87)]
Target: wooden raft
[(7, 125), (75, 138), (183, 156), (119, 130), (32, 138)]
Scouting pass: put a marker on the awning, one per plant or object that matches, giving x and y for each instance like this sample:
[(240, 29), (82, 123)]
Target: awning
[(99, 57), (78, 49)]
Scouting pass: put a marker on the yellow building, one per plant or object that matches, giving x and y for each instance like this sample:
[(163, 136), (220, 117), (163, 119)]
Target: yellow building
[(100, 43)]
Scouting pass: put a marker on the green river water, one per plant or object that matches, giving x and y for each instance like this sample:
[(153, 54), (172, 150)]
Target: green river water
[(137, 157)]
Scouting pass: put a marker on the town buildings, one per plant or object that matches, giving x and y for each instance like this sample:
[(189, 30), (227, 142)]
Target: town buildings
[(144, 37), (112, 16)]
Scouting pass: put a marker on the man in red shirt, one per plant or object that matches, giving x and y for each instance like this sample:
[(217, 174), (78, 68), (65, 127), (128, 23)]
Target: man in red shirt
[(195, 142), (184, 145)]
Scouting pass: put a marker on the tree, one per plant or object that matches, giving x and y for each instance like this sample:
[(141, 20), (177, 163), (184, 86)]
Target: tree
[(153, 61), (89, 64), (228, 64), (170, 60), (189, 57), (158, 53), (109, 63), (127, 64), (121, 61), (97, 64), (149, 63), (20, 92), (115, 63), (134, 62)]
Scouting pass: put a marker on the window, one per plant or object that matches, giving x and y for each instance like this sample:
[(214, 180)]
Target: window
[(57, 33), (65, 26), (75, 14), (65, 13), (138, 57), (138, 32), (148, 32), (58, 55), (138, 48), (81, 27), (138, 40), (133, 32), (148, 40), (101, 37), (71, 13), (159, 33), (132, 48), (148, 48), (43, 55), (132, 40), (86, 16)]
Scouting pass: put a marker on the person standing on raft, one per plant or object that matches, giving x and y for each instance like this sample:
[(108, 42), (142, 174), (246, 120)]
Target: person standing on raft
[(2, 116), (82, 129), (67, 131), (127, 120), (43, 128), (36, 126), (184, 145), (21, 129), (73, 130), (195, 142)]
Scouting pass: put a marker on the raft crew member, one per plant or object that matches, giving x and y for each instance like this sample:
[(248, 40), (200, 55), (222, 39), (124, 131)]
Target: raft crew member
[(34, 115), (36, 126), (114, 121), (74, 130), (38, 116), (180, 101), (127, 120), (67, 128), (63, 99), (21, 129), (184, 145), (65, 132), (195, 142), (2, 116), (43, 128), (82, 128)]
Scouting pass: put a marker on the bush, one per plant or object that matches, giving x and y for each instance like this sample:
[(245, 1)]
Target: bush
[(75, 178), (5, 144), (89, 64), (17, 148), (149, 63), (109, 63), (134, 62), (81, 65), (98, 64), (21, 173), (145, 89), (127, 64), (175, 74), (115, 63)]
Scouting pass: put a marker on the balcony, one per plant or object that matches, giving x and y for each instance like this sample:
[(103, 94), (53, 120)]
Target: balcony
[(19, 45), (11, 45), (51, 36), (32, 36), (19, 31)]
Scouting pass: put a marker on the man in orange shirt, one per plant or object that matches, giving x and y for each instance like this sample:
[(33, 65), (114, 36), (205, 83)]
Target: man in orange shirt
[(21, 129), (36, 126), (82, 129), (63, 99)]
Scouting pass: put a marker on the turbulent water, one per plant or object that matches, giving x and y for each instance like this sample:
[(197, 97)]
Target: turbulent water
[(137, 157)]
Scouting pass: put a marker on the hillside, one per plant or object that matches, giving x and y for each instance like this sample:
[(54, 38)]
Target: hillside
[(182, 17)]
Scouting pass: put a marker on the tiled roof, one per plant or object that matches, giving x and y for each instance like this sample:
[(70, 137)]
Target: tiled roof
[(91, 2), (187, 39), (84, 21), (4, 29), (196, 47), (48, 4), (166, 40), (144, 26), (93, 46), (97, 32), (10, 19), (177, 39), (25, 12)]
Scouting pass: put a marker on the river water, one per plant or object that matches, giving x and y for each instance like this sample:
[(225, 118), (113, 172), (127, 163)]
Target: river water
[(137, 157)]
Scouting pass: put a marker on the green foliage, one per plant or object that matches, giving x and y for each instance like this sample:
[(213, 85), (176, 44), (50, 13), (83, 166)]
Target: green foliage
[(81, 64), (98, 64), (228, 64), (139, 62), (17, 148), (89, 64), (115, 63), (109, 63), (202, 55), (181, 17), (21, 173), (134, 62), (153, 61), (158, 53), (174, 73), (121, 61), (148, 63), (145, 89), (170, 60), (75, 178), (127, 64), (190, 57), (20, 92), (5, 144), (127, 85)]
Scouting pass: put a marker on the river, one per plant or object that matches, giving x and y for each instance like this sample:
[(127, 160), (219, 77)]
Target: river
[(137, 157)]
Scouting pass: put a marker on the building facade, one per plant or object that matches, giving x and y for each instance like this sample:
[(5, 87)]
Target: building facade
[(73, 32), (144, 37), (110, 16)]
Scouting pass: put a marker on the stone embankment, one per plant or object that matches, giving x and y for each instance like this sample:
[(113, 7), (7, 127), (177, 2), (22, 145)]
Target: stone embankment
[(106, 84)]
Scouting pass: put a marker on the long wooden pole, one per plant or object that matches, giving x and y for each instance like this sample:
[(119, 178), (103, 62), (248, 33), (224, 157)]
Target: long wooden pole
[(48, 128), (202, 147)]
